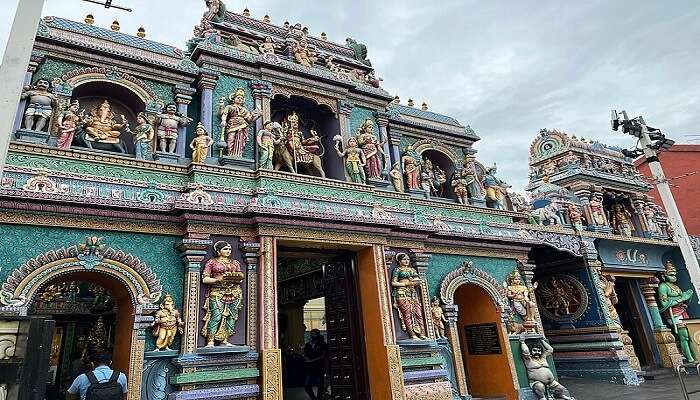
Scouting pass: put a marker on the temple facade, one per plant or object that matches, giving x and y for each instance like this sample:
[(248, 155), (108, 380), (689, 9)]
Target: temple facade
[(198, 212)]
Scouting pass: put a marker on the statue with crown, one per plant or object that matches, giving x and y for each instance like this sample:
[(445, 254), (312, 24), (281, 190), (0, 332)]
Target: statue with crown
[(296, 150), (673, 306), (235, 122)]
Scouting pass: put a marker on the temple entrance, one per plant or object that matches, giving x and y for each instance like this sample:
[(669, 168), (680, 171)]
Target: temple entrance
[(482, 338), (91, 313), (634, 319), (317, 296)]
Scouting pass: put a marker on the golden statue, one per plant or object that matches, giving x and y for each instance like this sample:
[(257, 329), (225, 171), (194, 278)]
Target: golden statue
[(607, 286), (200, 144), (167, 323), (100, 125)]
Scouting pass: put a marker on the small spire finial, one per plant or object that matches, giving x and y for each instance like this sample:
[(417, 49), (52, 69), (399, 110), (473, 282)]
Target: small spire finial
[(397, 100), (246, 12), (89, 19), (266, 19), (141, 32), (410, 102), (324, 36), (424, 106), (115, 25)]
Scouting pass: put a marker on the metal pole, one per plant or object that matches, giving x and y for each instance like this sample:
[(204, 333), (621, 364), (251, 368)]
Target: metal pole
[(14, 67), (674, 216)]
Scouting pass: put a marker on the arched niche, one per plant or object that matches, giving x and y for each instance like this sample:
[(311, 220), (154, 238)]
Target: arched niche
[(316, 116)]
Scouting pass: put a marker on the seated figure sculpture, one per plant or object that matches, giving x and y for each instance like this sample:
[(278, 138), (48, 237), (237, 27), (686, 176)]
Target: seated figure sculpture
[(295, 149), (101, 128)]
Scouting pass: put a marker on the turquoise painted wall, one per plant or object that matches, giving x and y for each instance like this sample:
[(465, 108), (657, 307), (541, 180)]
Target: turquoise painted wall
[(19, 243), (224, 87), (442, 264), (358, 116)]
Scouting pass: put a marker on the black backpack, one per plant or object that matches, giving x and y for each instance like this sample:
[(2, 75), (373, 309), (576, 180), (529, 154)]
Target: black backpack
[(110, 390)]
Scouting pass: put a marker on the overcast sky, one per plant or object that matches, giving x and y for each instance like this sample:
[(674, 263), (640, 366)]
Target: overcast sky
[(506, 67)]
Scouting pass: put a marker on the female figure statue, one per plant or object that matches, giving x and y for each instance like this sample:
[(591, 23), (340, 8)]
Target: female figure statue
[(372, 149), (576, 217), (521, 301), (68, 121), (223, 299), (411, 167), (200, 144), (650, 216), (598, 211), (143, 136), (405, 283), (621, 220), (267, 138), (166, 324), (100, 125), (235, 119), (396, 177), (354, 161)]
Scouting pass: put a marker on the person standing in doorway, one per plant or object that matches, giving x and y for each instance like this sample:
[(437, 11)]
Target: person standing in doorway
[(315, 354), (102, 383)]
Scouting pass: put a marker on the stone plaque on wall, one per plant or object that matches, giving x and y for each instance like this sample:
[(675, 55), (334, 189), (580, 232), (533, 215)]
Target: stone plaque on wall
[(482, 339)]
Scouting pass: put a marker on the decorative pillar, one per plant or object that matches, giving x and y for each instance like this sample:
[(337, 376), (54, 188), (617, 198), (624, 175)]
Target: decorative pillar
[(250, 250), (262, 94), (383, 122), (34, 62), (138, 345), (206, 84), (638, 205), (451, 312), (583, 192), (421, 264), (527, 270), (271, 355), (183, 97), (665, 341), (344, 112), (192, 251)]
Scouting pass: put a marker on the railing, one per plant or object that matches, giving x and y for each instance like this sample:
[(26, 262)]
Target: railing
[(682, 371)]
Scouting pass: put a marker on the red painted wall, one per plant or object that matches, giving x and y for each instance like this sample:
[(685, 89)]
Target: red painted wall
[(680, 159)]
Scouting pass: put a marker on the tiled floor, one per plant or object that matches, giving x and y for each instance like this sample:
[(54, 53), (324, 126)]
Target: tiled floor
[(665, 388)]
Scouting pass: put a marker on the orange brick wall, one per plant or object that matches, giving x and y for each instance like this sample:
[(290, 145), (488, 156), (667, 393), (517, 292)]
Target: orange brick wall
[(681, 159)]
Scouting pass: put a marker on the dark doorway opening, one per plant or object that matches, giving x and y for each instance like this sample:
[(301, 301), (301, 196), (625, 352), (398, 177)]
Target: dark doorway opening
[(634, 319), (317, 291)]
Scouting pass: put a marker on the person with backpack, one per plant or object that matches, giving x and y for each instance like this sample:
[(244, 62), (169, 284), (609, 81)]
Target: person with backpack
[(102, 383)]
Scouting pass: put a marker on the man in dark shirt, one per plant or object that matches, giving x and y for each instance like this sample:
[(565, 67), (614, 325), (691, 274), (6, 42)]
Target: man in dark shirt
[(315, 353)]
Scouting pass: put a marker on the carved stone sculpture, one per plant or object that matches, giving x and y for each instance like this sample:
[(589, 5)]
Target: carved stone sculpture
[(576, 217), (407, 300), (597, 210), (303, 54), (235, 120), (438, 317), (650, 216), (607, 287), (538, 371), (620, 220), (143, 137), (411, 167), (360, 51), (167, 323), (68, 122), (101, 127), (355, 161), (521, 301), (267, 138), (168, 124), (396, 177), (223, 299), (673, 301), (41, 105), (200, 144), (495, 189), (372, 148), (296, 150)]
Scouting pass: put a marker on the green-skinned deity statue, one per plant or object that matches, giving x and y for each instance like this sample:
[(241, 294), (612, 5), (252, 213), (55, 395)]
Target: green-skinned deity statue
[(673, 301)]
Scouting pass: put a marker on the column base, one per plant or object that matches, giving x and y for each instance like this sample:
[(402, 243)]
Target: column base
[(629, 349), (237, 162), (36, 137), (165, 157), (670, 356)]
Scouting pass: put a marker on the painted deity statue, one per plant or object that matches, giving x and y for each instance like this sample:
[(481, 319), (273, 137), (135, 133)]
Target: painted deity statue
[(459, 187), (607, 287), (438, 316), (621, 220), (235, 120), (298, 149), (427, 178), (143, 137), (650, 217), (100, 125), (521, 301), (223, 299), (42, 104), (68, 122), (166, 324), (407, 300), (372, 148), (200, 144), (303, 54), (268, 46), (673, 301), (396, 177), (355, 161), (411, 167), (598, 211), (576, 217), (550, 168), (439, 179), (538, 371), (169, 121), (267, 138), (495, 189), (468, 173)]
